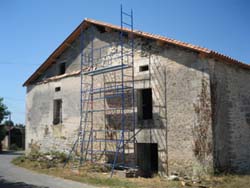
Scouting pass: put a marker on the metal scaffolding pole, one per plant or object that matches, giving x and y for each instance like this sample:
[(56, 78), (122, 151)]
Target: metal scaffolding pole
[(117, 71)]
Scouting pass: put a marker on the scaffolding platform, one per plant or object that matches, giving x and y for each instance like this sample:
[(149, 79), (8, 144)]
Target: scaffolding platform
[(106, 89), (107, 69), (118, 67)]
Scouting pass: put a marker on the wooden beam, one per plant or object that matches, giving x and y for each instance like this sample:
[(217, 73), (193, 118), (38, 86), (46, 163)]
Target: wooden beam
[(131, 35), (108, 29), (160, 43), (202, 55)]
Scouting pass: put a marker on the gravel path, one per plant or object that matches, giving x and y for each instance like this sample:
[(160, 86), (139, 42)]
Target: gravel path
[(15, 177)]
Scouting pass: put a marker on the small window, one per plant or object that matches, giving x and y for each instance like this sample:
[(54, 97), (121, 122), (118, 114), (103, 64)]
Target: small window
[(57, 116), (57, 89), (62, 68), (143, 68), (145, 109)]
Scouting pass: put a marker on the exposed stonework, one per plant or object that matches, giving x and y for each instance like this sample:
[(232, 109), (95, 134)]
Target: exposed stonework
[(231, 109), (200, 107)]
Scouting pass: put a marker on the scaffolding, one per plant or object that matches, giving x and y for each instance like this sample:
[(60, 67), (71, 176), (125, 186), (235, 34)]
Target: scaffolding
[(107, 113)]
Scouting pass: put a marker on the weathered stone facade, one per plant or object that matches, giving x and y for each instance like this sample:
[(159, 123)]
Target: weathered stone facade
[(201, 107), (230, 98)]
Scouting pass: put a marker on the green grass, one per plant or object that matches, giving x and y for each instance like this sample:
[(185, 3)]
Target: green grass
[(102, 178), (99, 179), (233, 181)]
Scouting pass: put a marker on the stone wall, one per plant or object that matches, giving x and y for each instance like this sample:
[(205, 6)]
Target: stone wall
[(188, 107), (231, 107), (180, 82), (40, 131)]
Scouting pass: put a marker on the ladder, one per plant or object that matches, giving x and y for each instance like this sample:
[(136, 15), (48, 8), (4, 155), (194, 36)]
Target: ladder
[(118, 82), (122, 142), (76, 154)]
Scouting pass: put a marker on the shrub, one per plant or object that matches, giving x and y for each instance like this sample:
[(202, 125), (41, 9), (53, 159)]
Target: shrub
[(46, 160), (34, 155)]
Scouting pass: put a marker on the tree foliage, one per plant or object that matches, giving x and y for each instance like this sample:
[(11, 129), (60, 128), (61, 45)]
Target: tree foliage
[(8, 123), (3, 110), (20, 125), (3, 113), (3, 132)]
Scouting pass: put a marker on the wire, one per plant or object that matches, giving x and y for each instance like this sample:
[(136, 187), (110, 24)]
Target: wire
[(12, 99), (5, 63)]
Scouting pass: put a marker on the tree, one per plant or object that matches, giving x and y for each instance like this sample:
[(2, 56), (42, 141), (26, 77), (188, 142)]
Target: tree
[(3, 132), (8, 123), (3, 110), (20, 125), (3, 113)]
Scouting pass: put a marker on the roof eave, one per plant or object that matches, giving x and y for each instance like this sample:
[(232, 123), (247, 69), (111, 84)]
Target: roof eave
[(56, 52), (85, 23)]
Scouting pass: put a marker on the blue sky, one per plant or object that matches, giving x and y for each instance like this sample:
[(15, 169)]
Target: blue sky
[(30, 30)]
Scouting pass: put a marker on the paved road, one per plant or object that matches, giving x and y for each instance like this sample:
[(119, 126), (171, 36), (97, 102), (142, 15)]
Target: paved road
[(15, 177)]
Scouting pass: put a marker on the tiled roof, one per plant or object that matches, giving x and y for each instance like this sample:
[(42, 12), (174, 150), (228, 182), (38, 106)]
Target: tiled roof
[(87, 22), (149, 35)]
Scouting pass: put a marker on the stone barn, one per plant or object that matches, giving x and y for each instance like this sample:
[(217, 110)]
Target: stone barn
[(192, 104)]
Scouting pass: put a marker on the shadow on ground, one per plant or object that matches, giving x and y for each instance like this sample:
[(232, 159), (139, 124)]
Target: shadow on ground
[(11, 152), (6, 184)]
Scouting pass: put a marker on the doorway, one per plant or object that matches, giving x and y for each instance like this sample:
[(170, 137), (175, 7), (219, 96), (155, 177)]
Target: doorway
[(147, 158), (144, 104)]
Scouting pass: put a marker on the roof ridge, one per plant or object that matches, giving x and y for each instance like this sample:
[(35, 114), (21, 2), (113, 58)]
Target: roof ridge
[(167, 39), (160, 37), (76, 32)]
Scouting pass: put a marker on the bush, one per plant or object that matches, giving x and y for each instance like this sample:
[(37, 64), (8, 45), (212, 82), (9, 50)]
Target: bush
[(47, 160), (34, 155), (59, 156), (52, 159)]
